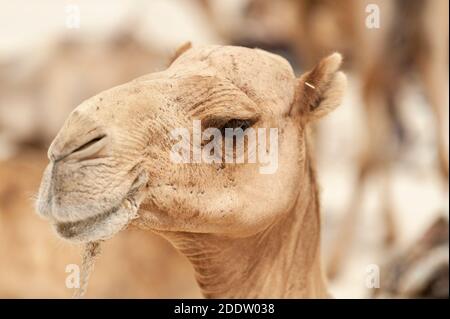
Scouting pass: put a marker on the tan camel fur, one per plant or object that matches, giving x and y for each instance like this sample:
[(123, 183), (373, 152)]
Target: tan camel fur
[(247, 234)]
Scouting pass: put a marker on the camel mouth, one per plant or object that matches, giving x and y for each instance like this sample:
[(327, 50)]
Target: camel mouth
[(105, 225)]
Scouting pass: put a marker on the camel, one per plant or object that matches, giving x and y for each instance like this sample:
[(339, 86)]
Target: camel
[(247, 235)]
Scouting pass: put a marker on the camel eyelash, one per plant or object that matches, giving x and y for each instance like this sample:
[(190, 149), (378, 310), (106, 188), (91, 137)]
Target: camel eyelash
[(233, 123), (236, 123)]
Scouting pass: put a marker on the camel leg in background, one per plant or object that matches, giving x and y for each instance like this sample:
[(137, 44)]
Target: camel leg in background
[(347, 226), (434, 81), (387, 209), (379, 101), (433, 72)]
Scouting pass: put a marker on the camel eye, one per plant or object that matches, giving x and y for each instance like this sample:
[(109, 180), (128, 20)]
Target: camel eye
[(236, 124)]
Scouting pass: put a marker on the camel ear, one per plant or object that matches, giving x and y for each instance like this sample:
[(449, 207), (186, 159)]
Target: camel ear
[(321, 90), (180, 50)]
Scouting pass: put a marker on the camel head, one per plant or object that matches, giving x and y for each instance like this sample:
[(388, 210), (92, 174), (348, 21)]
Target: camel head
[(113, 160)]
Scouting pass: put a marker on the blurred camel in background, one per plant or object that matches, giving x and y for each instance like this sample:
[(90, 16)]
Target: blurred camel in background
[(413, 49)]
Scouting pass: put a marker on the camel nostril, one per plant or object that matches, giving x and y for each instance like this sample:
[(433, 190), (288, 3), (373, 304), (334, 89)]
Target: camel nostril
[(89, 149), (88, 144)]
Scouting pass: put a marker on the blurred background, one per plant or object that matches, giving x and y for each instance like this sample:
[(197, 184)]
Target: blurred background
[(382, 156)]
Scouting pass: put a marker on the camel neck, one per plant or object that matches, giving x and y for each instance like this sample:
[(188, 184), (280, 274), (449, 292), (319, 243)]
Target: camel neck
[(283, 261)]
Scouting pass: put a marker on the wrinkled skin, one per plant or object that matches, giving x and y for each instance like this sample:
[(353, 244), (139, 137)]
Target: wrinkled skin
[(91, 191), (135, 119)]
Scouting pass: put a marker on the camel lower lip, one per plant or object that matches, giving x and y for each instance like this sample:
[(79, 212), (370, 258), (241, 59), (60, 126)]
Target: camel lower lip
[(104, 225), (71, 229)]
